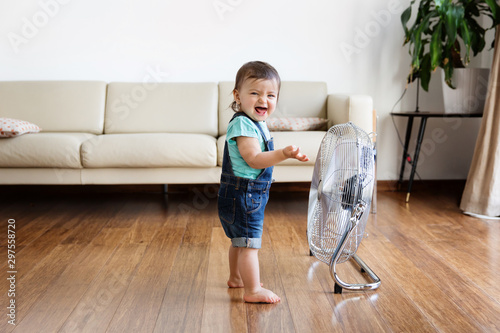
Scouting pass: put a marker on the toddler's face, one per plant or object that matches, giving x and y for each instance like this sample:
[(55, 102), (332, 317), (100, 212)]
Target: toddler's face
[(257, 98)]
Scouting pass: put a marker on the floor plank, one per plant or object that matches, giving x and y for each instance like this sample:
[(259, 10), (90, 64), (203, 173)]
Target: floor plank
[(270, 317), (463, 291), (223, 309), (47, 256), (182, 306), (138, 310), (50, 311), (307, 301), (97, 306), (429, 297)]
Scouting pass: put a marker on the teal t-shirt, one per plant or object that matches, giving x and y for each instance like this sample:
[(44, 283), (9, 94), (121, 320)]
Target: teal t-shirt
[(242, 126)]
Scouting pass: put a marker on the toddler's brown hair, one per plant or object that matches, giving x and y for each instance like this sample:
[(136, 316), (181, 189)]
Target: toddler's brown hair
[(254, 70)]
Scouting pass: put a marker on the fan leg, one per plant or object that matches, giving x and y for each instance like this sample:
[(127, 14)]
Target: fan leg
[(337, 289)]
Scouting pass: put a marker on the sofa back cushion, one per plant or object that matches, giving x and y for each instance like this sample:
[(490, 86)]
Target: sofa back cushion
[(55, 106), (161, 108), (296, 99)]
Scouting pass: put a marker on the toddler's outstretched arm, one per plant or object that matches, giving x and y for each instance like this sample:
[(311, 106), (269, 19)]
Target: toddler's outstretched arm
[(250, 151)]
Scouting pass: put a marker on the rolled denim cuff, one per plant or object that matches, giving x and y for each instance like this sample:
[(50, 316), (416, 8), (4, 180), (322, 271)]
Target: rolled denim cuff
[(251, 243)]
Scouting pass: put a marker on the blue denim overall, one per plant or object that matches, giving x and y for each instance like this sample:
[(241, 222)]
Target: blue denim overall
[(241, 201)]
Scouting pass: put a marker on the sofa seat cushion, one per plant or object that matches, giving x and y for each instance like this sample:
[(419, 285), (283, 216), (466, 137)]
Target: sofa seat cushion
[(308, 142), (149, 150), (43, 150)]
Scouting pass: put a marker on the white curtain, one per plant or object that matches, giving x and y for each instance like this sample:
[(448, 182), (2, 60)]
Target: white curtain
[(482, 190)]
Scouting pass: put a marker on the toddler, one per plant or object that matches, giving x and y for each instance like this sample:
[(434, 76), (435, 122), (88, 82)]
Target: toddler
[(246, 178)]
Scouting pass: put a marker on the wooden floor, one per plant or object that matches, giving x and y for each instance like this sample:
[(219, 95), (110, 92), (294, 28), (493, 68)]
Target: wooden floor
[(131, 262)]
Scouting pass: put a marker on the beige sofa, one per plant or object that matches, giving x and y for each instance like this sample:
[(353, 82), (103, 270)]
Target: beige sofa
[(149, 133)]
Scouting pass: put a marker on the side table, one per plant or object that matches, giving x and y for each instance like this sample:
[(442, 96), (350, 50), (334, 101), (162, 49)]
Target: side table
[(424, 115)]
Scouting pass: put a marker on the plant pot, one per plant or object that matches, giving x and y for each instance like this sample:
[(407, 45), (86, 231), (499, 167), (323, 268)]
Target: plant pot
[(470, 93)]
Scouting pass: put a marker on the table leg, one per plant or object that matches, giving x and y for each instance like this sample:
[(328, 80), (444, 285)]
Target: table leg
[(421, 131), (409, 126)]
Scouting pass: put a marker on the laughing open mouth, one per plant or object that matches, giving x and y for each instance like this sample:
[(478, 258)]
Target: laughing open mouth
[(260, 110)]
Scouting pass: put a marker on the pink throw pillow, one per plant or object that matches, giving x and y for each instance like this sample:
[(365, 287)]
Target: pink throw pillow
[(13, 127), (296, 124)]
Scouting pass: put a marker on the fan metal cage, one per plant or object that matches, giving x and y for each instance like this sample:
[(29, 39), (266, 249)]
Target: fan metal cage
[(343, 181)]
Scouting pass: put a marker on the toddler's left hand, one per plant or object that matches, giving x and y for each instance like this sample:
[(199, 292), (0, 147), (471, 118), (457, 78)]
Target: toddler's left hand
[(294, 152)]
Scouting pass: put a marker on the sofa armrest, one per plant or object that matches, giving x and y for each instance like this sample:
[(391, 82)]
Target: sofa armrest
[(357, 109)]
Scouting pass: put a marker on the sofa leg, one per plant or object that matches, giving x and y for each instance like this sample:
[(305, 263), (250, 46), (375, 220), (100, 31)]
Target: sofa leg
[(165, 188)]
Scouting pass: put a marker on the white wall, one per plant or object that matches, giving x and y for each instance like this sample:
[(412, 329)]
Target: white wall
[(355, 46)]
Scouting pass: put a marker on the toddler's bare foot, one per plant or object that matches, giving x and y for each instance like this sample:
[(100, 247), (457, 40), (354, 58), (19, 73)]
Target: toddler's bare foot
[(261, 296), (236, 283)]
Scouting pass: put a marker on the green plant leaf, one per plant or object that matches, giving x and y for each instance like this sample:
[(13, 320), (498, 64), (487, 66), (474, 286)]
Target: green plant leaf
[(476, 37), (425, 72), (491, 9), (448, 68), (423, 10), (494, 9), (435, 47), (404, 20), (414, 74), (454, 15), (418, 44), (467, 41), (405, 17), (442, 6)]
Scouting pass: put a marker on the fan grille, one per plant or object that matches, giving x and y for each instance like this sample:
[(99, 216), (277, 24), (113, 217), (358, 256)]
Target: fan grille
[(345, 168)]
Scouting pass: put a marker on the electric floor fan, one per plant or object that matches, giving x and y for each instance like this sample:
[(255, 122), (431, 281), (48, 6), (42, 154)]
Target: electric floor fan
[(339, 200)]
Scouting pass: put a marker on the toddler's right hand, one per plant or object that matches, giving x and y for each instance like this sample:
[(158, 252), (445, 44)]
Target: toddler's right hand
[(294, 152)]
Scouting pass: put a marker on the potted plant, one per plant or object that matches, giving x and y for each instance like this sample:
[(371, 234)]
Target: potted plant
[(443, 34)]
